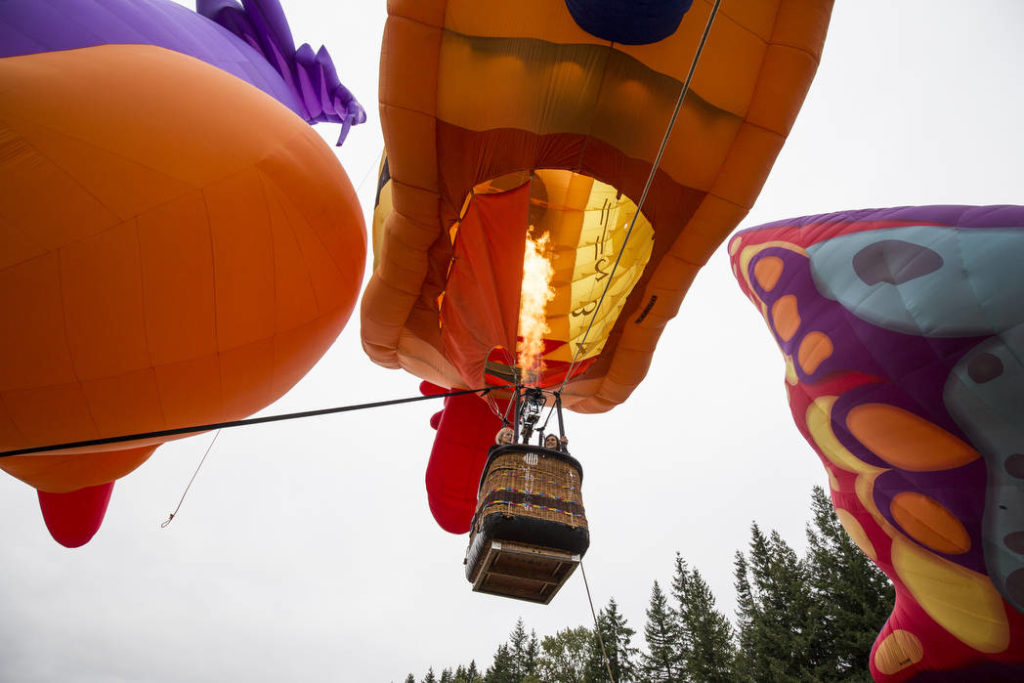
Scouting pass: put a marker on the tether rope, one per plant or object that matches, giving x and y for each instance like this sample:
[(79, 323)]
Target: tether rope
[(647, 188), (366, 175), (189, 485), (235, 423), (597, 625)]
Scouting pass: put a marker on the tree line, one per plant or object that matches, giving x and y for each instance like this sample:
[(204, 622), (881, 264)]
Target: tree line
[(810, 618)]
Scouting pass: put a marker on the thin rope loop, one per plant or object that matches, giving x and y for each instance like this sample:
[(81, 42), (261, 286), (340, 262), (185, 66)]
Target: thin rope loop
[(185, 492)]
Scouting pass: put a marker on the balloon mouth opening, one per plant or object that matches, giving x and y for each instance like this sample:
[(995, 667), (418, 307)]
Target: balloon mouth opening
[(586, 248)]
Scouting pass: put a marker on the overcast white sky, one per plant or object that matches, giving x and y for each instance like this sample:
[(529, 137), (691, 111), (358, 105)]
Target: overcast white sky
[(305, 550)]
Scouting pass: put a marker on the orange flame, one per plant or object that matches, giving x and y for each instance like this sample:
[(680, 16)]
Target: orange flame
[(536, 293)]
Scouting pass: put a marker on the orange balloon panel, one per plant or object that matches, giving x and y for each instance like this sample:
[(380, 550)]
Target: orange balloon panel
[(472, 92), (176, 248)]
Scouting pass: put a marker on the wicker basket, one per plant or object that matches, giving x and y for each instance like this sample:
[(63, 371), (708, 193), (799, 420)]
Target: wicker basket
[(529, 498)]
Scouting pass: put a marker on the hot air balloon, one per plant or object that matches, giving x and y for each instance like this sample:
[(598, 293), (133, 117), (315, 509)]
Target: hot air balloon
[(903, 334), (177, 246), (510, 123)]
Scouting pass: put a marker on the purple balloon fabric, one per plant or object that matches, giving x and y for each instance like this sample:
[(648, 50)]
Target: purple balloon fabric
[(251, 41)]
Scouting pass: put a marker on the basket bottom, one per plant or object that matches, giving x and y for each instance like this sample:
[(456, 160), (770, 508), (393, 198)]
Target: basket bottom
[(523, 571)]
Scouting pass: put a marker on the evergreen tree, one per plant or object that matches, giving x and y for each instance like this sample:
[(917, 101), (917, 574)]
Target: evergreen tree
[(472, 674), (447, 676), (461, 676), (430, 678), (707, 648), (775, 609), (524, 650), (747, 611), (663, 660), (410, 679), (615, 635), (852, 598), (503, 668), (564, 656)]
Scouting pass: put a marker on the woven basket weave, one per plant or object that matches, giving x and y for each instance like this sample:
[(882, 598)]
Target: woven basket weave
[(530, 530), (535, 483)]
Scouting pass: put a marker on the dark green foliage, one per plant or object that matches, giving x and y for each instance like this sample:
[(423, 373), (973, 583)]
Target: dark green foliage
[(851, 597), (705, 637), (564, 656), (743, 666), (516, 660), (524, 650), (774, 605), (447, 676), (430, 677), (410, 679), (616, 636), (467, 674), (663, 660), (502, 669)]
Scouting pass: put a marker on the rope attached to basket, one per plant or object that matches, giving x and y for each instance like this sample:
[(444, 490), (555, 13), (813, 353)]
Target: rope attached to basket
[(597, 625)]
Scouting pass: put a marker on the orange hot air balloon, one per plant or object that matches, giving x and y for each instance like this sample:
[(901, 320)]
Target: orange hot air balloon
[(502, 118), (176, 248)]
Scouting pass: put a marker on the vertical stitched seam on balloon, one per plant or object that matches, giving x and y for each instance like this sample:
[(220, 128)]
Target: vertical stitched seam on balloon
[(145, 327), (216, 317), (437, 191), (301, 138), (273, 275), (64, 312), (959, 235), (594, 107), (10, 414), (745, 121)]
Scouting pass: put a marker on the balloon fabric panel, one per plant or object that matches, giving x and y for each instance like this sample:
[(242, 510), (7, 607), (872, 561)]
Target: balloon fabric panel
[(901, 334), (481, 306)]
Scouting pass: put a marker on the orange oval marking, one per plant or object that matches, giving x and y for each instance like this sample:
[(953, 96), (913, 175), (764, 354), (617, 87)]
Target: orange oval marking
[(929, 523), (897, 651), (815, 348), (905, 440), (767, 272), (786, 317)]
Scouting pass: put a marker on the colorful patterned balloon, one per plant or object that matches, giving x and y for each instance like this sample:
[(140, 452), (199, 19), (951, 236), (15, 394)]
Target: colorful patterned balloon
[(903, 334)]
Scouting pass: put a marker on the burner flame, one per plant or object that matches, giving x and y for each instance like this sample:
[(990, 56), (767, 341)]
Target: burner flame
[(536, 293)]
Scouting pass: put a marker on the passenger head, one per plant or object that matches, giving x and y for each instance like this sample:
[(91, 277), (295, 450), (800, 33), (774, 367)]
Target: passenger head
[(551, 442)]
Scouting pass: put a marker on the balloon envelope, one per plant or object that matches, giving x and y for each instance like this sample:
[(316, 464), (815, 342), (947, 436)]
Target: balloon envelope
[(903, 334), (504, 121), (499, 119), (177, 247)]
